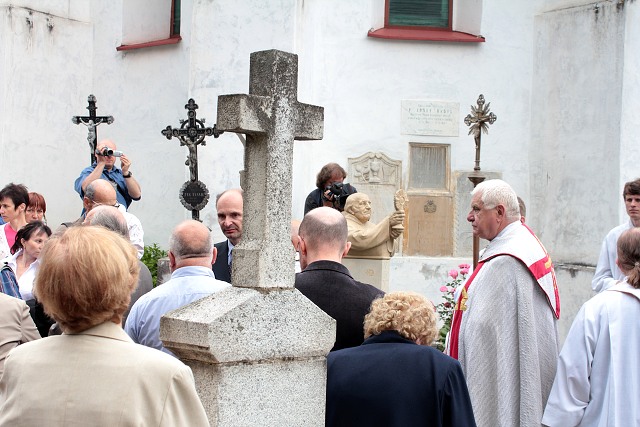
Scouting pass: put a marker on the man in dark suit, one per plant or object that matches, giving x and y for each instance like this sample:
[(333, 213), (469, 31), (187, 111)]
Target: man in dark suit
[(395, 379), (328, 283), (229, 208)]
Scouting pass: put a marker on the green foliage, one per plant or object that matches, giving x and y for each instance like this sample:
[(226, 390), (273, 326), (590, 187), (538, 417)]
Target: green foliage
[(150, 258), (446, 308)]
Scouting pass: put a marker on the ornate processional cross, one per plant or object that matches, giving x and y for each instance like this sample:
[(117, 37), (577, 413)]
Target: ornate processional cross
[(193, 194), (479, 121), (91, 122)]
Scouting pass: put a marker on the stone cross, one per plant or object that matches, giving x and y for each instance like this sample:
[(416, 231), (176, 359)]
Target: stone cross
[(272, 118), (192, 133), (258, 349), (92, 121)]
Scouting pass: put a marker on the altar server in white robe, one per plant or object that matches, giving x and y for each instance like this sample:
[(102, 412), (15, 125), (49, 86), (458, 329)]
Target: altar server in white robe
[(504, 330), (598, 375)]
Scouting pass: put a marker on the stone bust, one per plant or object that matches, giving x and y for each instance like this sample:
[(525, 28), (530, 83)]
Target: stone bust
[(369, 240)]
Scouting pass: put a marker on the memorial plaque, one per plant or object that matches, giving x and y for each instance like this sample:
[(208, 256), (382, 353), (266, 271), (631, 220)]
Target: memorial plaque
[(434, 118), (194, 195)]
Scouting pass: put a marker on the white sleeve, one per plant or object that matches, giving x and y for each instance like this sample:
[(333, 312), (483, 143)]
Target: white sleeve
[(603, 277)]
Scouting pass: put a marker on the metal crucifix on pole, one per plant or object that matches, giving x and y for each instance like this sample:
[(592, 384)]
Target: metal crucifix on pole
[(91, 122), (478, 122), (194, 194)]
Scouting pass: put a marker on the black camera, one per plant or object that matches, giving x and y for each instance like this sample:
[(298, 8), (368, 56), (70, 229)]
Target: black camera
[(106, 151), (337, 193)]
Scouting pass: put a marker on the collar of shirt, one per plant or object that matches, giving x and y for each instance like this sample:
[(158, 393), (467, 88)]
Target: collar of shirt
[(192, 271)]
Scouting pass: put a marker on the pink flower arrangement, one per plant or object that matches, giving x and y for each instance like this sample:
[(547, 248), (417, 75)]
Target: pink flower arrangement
[(446, 307)]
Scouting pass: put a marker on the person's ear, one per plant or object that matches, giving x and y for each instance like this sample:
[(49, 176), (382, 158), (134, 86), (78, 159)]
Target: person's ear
[(302, 246), (22, 207), (501, 211), (215, 255), (346, 249), (172, 261)]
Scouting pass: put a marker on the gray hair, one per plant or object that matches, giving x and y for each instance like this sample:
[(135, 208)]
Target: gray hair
[(90, 191), (497, 192), (112, 219)]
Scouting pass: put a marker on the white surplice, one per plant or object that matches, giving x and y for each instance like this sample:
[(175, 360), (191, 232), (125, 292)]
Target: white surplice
[(598, 376)]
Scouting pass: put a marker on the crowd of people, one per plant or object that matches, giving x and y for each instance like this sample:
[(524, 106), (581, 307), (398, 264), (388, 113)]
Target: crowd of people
[(502, 365)]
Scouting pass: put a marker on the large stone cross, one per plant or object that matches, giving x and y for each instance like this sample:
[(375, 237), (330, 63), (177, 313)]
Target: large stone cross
[(271, 117)]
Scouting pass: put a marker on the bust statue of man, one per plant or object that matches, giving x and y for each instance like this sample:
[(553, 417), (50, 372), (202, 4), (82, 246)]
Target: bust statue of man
[(369, 240)]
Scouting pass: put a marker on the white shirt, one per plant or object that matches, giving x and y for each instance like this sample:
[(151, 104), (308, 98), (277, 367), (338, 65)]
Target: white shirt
[(136, 234), (607, 272), (25, 282), (598, 378)]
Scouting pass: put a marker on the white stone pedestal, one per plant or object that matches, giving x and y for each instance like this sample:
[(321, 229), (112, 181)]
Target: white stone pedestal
[(374, 272)]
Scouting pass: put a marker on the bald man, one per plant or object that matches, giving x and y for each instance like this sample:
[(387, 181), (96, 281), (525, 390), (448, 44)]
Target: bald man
[(101, 193), (122, 180), (229, 205), (328, 283), (191, 253)]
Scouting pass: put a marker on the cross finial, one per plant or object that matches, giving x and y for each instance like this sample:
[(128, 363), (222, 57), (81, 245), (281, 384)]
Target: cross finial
[(479, 121)]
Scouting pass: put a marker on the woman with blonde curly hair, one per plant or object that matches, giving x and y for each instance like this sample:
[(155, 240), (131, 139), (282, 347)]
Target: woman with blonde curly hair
[(100, 377), (395, 378)]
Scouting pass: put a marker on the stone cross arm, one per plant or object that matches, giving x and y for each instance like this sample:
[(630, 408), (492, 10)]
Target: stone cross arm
[(253, 115)]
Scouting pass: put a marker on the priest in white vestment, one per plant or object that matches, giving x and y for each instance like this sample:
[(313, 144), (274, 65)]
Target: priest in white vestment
[(504, 330), (598, 379)]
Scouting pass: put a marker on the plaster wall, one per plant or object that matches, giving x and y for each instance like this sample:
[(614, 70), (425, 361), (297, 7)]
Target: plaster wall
[(575, 150)]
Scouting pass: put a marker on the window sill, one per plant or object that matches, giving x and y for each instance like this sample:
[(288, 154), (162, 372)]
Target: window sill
[(170, 40), (428, 35)]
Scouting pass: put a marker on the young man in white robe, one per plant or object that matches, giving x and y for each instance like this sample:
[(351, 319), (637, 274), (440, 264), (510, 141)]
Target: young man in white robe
[(504, 330), (607, 272), (598, 377)]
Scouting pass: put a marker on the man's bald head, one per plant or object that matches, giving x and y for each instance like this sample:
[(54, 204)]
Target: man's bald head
[(324, 228), (99, 192), (190, 244)]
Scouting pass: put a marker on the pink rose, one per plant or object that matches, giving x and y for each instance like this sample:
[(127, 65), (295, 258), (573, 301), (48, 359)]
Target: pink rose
[(451, 289), (453, 273), (464, 271), (467, 266), (443, 289)]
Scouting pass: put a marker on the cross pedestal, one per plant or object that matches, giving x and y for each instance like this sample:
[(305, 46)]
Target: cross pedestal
[(258, 349)]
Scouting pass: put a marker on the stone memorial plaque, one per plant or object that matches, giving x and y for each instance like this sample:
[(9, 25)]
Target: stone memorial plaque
[(194, 195), (435, 118)]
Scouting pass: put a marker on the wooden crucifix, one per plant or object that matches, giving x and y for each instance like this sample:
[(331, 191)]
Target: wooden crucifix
[(479, 121), (272, 119), (194, 194), (91, 122)]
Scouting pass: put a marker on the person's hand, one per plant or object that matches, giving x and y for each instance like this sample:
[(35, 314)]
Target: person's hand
[(101, 160), (125, 163), (396, 218), (394, 233)]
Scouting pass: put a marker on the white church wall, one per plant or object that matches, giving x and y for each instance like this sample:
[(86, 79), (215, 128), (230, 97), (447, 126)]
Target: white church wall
[(45, 71), (575, 148)]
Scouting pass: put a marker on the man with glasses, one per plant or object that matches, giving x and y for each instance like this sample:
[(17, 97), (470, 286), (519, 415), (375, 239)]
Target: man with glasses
[(126, 187), (504, 330)]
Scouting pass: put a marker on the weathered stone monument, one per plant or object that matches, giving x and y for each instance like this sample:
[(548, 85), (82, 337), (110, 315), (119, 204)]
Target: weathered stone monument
[(257, 349)]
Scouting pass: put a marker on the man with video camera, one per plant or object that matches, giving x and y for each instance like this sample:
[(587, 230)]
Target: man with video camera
[(126, 186), (331, 191)]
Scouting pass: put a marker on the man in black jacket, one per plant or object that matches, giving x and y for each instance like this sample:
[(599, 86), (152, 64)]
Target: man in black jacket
[(229, 208), (328, 283)]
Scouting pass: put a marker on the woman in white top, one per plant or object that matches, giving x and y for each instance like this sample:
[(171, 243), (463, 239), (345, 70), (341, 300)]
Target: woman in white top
[(598, 379), (26, 250), (14, 200)]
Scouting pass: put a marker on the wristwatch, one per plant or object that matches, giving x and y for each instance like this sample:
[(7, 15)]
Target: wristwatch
[(127, 176)]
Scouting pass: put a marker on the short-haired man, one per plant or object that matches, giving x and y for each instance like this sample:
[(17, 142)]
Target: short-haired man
[(328, 283), (504, 330), (395, 378), (113, 219), (190, 255), (607, 272), (122, 180), (229, 205), (101, 193)]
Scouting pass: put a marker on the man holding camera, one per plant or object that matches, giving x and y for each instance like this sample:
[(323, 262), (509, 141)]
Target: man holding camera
[(331, 191), (126, 186)]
